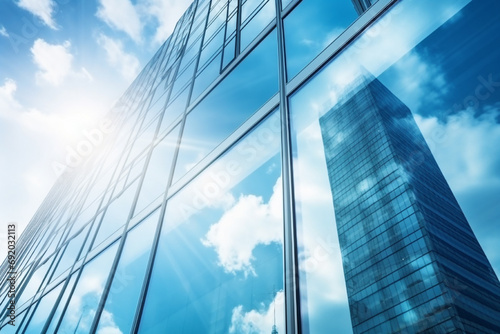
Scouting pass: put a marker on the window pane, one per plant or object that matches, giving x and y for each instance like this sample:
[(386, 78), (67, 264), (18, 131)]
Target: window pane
[(235, 99), (263, 17), (206, 77), (9, 329), (397, 223), (33, 284), (81, 309), (212, 46), (71, 252), (43, 310), (155, 181), (305, 38), (62, 302), (116, 214), (219, 265), (229, 51), (119, 310), (174, 110)]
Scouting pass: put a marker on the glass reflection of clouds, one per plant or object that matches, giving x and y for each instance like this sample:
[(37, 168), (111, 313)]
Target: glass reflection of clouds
[(81, 309), (121, 303), (219, 261), (306, 38), (229, 104), (406, 54)]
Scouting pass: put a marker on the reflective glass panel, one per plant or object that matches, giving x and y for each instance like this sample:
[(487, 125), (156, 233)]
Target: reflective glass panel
[(235, 99), (9, 329), (212, 46), (33, 284), (311, 27), (256, 24), (176, 107), (71, 252), (206, 77), (81, 309), (44, 307), (61, 304), (116, 214), (121, 303), (359, 123), (219, 264), (158, 170), (229, 51)]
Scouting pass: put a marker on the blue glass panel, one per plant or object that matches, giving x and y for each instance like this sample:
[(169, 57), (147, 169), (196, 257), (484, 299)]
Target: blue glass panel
[(206, 77), (44, 307), (81, 309), (398, 223), (32, 286), (176, 108), (233, 5), (9, 329), (256, 24), (285, 3), (121, 303), (305, 38), (235, 99), (248, 8), (183, 77), (71, 252), (61, 304), (211, 47), (144, 139), (219, 265), (229, 51), (158, 170), (116, 214), (217, 23), (231, 26)]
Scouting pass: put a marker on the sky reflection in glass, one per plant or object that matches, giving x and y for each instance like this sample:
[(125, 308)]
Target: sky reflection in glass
[(218, 267)]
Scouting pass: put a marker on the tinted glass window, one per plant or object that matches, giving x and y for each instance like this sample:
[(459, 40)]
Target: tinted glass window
[(305, 38), (219, 265), (121, 303), (235, 99)]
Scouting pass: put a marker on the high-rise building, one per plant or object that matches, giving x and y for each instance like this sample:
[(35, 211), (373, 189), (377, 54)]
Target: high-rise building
[(405, 242), (264, 174)]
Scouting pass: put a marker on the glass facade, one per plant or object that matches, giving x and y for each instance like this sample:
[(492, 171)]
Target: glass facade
[(266, 173)]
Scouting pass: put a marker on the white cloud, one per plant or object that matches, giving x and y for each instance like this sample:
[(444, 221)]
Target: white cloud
[(465, 147), (30, 141), (107, 324), (121, 15), (166, 13), (417, 82), (43, 9), (467, 152), (21, 149), (259, 321), (7, 92), (127, 64), (248, 223), (4, 32), (55, 62)]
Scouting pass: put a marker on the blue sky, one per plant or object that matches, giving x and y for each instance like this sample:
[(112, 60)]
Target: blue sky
[(63, 63)]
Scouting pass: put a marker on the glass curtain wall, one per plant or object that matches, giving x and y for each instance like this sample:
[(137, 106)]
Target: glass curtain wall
[(273, 169)]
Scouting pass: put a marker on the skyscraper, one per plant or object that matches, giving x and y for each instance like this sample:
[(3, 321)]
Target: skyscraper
[(264, 174), (400, 227)]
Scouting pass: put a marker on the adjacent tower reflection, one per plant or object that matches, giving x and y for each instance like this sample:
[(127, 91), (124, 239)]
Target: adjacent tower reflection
[(411, 261)]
